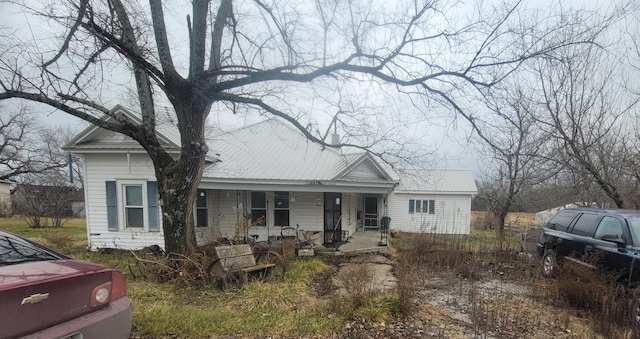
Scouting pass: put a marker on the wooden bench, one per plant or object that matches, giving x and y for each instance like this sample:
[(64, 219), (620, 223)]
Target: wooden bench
[(235, 263)]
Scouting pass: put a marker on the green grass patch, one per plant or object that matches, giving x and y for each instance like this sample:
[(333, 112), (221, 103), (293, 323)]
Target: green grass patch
[(162, 310), (282, 308)]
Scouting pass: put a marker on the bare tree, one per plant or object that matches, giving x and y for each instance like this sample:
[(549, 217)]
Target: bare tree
[(45, 198), (585, 110), (518, 147), (258, 56), (22, 148)]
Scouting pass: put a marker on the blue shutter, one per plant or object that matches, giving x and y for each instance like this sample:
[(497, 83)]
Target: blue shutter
[(152, 204), (411, 206), (112, 206)]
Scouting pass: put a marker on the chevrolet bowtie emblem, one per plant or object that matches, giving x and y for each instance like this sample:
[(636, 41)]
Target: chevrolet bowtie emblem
[(35, 298)]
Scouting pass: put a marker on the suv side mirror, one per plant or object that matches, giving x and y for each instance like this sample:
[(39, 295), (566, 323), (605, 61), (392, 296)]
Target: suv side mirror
[(614, 239)]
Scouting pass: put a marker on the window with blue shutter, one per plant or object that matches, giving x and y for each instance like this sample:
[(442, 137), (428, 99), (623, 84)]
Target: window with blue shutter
[(112, 206), (125, 203)]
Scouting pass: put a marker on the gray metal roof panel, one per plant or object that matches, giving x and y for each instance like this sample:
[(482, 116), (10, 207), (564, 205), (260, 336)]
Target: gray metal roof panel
[(437, 181)]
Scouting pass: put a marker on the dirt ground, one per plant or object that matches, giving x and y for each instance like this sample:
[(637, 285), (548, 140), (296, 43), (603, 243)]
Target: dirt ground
[(496, 301)]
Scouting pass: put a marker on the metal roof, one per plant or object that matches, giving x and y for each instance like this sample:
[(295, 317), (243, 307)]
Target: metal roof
[(273, 150), (436, 181)]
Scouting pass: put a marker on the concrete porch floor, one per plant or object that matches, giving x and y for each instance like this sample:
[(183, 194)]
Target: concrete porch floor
[(359, 242)]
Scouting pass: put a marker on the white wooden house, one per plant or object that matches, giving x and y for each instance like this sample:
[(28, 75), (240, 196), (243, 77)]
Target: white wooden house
[(262, 177)]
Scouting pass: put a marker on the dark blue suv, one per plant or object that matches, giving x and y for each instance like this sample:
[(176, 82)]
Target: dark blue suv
[(606, 239)]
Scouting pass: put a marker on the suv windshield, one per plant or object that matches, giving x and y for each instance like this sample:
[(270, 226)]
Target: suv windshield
[(634, 228), (14, 250)]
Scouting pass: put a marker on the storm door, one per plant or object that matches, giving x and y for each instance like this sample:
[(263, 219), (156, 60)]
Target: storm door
[(332, 217), (371, 212)]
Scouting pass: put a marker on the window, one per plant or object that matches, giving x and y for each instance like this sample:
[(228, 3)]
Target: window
[(561, 220), (431, 204), (422, 206), (585, 224), (132, 204), (258, 208), (133, 207), (202, 219), (281, 209), (609, 226)]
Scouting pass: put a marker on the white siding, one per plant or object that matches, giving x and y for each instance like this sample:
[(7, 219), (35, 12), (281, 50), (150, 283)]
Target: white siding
[(307, 211), (349, 212), (222, 217), (452, 214), (103, 167)]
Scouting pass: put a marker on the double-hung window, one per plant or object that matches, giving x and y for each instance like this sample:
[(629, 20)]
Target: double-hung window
[(133, 206), (281, 209), (258, 208), (202, 216)]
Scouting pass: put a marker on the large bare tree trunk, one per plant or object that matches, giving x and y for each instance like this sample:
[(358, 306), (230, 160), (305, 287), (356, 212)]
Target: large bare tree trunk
[(178, 181)]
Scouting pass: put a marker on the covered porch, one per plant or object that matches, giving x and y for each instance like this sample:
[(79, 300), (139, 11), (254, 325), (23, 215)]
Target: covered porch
[(330, 218)]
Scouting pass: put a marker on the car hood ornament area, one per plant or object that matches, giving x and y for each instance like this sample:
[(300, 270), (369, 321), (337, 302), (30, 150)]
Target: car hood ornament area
[(35, 298)]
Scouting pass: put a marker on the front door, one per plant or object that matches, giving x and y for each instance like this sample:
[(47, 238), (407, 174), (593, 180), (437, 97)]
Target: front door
[(332, 217), (370, 212)]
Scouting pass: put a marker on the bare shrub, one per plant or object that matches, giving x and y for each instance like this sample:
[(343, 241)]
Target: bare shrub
[(610, 306), (406, 272), (357, 280), (175, 268)]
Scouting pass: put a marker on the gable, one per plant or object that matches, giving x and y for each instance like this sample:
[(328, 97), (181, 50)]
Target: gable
[(364, 169), (94, 138)]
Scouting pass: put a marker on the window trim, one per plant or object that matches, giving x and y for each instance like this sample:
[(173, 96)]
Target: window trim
[(276, 208), (198, 208), (265, 208), (121, 207), (422, 206)]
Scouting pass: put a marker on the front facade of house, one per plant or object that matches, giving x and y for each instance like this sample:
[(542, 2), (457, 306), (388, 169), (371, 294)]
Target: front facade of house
[(258, 180)]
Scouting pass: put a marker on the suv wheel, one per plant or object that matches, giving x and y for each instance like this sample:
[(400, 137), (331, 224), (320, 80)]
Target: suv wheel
[(549, 263)]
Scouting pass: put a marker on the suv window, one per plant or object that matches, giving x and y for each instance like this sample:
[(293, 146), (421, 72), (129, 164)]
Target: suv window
[(634, 228), (584, 225), (561, 220), (609, 226)]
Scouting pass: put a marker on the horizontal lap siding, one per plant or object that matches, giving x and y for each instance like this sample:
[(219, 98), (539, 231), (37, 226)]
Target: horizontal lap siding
[(452, 214), (307, 211), (99, 169), (224, 217), (349, 212)]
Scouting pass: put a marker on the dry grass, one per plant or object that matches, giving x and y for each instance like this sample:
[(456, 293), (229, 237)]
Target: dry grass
[(476, 280), (521, 219)]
